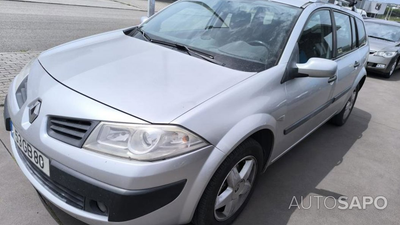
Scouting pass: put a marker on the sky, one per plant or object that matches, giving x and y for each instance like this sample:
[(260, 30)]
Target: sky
[(388, 1)]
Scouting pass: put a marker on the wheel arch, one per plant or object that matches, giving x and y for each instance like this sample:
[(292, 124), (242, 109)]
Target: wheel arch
[(360, 80), (265, 138), (259, 127), (249, 128)]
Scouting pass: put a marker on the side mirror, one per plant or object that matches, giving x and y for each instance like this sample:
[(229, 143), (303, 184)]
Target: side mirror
[(143, 19), (317, 67)]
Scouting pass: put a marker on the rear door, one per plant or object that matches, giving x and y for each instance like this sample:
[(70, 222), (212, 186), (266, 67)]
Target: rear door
[(347, 56)]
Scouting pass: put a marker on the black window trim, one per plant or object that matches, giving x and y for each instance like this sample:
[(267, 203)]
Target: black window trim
[(279, 58), (332, 21), (334, 35), (353, 25), (358, 45), (335, 50), (365, 32)]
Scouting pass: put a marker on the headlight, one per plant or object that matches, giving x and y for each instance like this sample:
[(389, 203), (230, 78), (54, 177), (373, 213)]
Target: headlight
[(142, 142), (385, 54), (23, 73), (21, 81)]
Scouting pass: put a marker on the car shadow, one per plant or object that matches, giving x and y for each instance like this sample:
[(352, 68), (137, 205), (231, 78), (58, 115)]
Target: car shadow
[(299, 172)]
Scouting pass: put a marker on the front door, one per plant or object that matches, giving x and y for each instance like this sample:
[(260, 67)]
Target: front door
[(307, 97)]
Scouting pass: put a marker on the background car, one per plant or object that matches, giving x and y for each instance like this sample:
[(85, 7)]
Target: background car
[(384, 39)]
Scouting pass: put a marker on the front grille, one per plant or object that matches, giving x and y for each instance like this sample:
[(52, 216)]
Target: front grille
[(64, 194), (372, 52), (70, 130)]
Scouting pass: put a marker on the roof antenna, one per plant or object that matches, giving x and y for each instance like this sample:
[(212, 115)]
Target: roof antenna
[(352, 4)]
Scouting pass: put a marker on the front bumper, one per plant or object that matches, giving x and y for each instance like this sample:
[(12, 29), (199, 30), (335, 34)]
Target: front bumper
[(84, 193), (162, 192), (380, 64)]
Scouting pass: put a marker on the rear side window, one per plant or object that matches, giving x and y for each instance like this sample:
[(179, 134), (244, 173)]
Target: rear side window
[(343, 33), (362, 38)]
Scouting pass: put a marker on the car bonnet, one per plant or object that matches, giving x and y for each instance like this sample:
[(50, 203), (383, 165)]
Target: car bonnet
[(143, 79), (381, 45)]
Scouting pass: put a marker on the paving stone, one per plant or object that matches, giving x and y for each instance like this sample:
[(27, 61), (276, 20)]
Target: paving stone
[(10, 65)]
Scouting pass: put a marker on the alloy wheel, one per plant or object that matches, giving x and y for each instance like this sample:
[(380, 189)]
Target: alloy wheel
[(235, 188), (350, 104), (392, 69)]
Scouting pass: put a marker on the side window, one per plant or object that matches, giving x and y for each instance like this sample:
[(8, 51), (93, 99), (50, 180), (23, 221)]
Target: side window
[(362, 38), (343, 33), (316, 39), (353, 34)]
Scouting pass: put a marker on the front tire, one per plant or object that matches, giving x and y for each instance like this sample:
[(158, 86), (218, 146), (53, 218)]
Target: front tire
[(230, 188), (392, 69), (341, 118)]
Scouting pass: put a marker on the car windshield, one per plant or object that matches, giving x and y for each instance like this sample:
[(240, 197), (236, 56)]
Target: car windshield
[(383, 31), (239, 34)]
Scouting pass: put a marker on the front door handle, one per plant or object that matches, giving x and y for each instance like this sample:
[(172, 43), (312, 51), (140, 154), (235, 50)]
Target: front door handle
[(356, 64), (331, 79)]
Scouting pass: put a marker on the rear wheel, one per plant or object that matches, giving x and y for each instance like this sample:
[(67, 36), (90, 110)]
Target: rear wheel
[(341, 118), (231, 186)]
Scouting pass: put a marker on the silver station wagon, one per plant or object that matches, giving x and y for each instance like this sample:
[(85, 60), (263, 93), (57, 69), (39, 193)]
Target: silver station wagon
[(172, 121)]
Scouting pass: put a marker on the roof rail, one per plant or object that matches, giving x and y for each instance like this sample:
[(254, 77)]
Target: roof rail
[(343, 3)]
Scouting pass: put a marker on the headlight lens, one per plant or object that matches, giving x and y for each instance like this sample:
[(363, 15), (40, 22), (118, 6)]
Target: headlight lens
[(142, 142), (23, 73), (385, 54), (21, 81)]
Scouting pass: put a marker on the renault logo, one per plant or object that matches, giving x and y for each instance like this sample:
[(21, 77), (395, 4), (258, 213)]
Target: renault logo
[(34, 111)]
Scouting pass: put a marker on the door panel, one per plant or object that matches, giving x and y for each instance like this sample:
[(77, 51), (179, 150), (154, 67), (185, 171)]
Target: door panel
[(308, 102), (348, 57), (307, 97)]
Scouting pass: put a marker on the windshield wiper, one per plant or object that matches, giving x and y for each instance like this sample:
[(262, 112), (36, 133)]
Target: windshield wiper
[(212, 27), (145, 36), (202, 55), (381, 38), (189, 51)]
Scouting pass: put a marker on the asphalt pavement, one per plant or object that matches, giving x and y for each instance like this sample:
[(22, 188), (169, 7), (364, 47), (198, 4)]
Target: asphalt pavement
[(360, 159), (33, 26), (28, 27)]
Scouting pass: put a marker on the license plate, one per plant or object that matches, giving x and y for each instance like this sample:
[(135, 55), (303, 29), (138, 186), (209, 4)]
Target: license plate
[(34, 155)]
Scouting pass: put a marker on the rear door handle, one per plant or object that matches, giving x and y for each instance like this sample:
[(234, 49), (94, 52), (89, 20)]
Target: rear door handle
[(356, 64)]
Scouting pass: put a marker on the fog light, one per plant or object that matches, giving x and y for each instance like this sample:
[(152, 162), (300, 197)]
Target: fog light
[(102, 207), (382, 66)]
